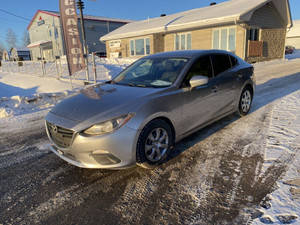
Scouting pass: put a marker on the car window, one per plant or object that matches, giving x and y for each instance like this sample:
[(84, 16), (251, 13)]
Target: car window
[(234, 61), (201, 67), (156, 72), (143, 69), (221, 63)]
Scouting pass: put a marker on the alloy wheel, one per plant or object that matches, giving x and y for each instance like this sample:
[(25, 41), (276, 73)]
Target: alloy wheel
[(246, 101), (156, 144)]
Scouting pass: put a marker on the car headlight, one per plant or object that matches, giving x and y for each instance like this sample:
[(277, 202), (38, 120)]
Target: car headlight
[(109, 126)]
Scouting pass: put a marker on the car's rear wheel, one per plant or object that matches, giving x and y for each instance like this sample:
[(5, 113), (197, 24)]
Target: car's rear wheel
[(245, 102), (154, 144)]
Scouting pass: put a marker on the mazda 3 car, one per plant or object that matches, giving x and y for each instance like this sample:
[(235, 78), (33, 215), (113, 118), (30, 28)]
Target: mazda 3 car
[(137, 117)]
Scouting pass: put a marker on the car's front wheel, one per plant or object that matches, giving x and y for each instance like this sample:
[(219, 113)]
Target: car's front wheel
[(245, 102), (154, 143)]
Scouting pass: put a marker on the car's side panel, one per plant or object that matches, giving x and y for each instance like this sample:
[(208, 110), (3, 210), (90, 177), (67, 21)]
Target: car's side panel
[(199, 105), (165, 104), (228, 91)]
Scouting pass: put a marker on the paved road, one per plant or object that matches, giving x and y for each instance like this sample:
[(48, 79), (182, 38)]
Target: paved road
[(214, 176)]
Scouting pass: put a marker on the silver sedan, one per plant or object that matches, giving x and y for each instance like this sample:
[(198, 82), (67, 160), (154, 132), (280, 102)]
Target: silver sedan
[(136, 117)]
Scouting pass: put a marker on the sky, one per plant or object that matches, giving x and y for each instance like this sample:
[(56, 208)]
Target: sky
[(123, 9)]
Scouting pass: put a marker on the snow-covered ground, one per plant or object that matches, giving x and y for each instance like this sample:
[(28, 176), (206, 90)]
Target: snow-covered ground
[(23, 97), (17, 91)]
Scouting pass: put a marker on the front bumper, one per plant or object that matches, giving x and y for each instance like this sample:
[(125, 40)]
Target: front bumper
[(112, 151)]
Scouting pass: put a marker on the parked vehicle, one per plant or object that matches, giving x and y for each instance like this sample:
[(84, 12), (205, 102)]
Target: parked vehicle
[(100, 54), (289, 49), (136, 117)]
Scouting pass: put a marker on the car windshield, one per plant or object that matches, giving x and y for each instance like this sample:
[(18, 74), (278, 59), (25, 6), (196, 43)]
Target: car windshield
[(157, 72)]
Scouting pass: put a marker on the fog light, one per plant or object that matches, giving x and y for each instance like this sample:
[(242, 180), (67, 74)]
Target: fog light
[(105, 158)]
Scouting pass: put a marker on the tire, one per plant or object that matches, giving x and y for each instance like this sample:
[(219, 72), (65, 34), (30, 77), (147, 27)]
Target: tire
[(154, 144), (245, 102)]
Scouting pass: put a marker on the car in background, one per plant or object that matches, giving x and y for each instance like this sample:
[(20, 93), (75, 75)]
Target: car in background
[(100, 54), (137, 117), (289, 49)]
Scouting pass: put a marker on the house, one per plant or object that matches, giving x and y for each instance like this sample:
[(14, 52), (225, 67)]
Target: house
[(20, 54), (45, 33), (293, 35), (254, 30), (6, 55)]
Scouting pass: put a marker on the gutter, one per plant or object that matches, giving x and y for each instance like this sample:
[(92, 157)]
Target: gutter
[(245, 47)]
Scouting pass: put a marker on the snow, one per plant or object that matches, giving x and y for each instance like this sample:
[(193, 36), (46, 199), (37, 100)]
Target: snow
[(295, 30), (230, 11), (21, 95), (296, 54)]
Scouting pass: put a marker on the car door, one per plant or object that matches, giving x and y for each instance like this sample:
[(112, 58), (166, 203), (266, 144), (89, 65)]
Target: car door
[(199, 104), (224, 70)]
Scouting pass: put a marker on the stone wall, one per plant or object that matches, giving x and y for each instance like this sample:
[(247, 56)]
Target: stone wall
[(275, 42)]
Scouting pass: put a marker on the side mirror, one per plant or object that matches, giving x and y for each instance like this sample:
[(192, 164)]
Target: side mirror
[(197, 81)]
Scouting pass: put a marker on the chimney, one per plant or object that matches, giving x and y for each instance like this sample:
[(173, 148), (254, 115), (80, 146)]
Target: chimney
[(213, 3)]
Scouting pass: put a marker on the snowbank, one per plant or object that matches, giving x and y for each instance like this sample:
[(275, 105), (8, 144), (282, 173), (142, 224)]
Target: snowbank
[(21, 94)]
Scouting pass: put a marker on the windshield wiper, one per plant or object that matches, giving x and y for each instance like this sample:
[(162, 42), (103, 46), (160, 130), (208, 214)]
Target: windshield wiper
[(110, 82)]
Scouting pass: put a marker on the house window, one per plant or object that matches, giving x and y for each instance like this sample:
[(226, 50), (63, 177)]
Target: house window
[(140, 47), (56, 33), (224, 39), (254, 34), (50, 33), (183, 41)]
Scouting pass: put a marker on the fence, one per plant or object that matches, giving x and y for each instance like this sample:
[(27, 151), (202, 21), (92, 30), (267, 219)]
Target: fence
[(57, 69), (255, 48)]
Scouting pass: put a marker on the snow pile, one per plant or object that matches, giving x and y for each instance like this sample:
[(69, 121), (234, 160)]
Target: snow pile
[(123, 62), (16, 105), (114, 66), (294, 55), (20, 94)]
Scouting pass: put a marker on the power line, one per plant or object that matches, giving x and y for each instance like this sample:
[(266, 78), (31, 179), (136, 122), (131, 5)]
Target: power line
[(21, 17)]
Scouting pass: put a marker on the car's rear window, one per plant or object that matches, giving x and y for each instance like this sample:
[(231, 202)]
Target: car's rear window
[(221, 63)]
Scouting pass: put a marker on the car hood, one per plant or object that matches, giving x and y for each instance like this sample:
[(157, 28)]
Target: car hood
[(101, 102)]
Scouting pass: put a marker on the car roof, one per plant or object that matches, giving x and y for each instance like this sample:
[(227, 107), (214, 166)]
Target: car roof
[(186, 53)]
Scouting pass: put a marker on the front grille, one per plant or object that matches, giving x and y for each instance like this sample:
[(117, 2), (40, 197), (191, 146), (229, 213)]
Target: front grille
[(62, 137)]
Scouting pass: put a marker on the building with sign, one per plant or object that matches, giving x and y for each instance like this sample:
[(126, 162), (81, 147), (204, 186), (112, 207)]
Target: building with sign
[(254, 30), (46, 39)]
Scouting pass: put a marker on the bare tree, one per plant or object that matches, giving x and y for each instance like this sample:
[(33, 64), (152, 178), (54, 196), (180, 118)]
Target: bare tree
[(25, 38), (11, 38), (2, 47)]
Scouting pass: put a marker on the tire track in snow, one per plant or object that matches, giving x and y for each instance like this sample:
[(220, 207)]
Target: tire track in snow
[(73, 195), (283, 130), (282, 149)]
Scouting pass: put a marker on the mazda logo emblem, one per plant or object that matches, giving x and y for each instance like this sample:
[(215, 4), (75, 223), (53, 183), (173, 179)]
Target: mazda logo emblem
[(54, 128)]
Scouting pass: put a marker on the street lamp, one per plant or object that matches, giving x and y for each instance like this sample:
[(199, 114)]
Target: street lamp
[(80, 6)]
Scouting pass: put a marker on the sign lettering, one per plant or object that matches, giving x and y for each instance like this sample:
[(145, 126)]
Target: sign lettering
[(69, 21)]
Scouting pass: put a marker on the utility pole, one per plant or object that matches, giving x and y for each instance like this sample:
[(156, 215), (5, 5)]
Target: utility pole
[(80, 6)]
